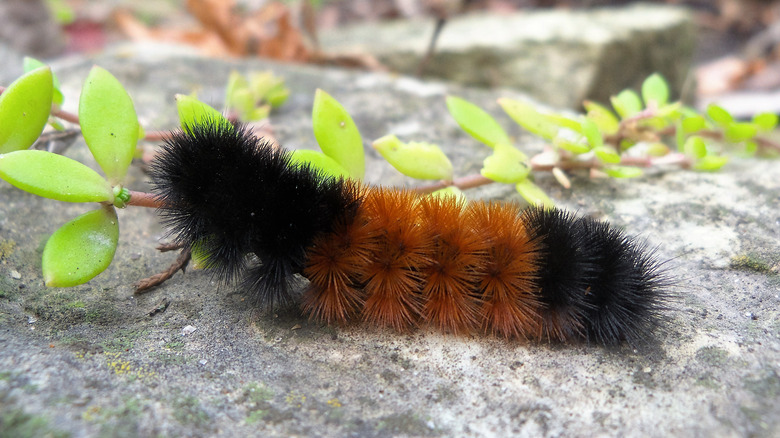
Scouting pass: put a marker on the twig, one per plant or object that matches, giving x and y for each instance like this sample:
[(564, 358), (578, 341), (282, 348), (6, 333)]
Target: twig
[(155, 280), (471, 181), (143, 199), (440, 22)]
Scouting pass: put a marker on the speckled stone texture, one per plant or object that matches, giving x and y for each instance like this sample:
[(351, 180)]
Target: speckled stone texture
[(96, 360)]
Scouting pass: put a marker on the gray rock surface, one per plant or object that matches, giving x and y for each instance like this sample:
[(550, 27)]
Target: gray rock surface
[(559, 56), (96, 360)]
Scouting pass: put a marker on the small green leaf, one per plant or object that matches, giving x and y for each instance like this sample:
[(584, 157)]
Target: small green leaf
[(269, 88), (691, 124), (192, 112), (475, 121), (121, 197), (571, 141), (337, 134), (751, 148), (719, 115), (626, 103), (655, 90), (450, 191), (81, 249), (506, 164), (657, 149), (710, 163), (237, 94), (533, 194), (603, 117), (738, 132), (765, 121), (695, 147), (417, 160), (259, 113), (529, 118), (565, 122), (607, 154), (54, 176), (591, 131), (109, 123), (319, 161), (31, 64), (200, 256), (623, 171), (24, 109)]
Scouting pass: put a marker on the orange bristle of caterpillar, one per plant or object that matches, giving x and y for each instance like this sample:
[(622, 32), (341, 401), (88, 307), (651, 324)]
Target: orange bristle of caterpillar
[(450, 300), (507, 282), (333, 295), (395, 259), (392, 276)]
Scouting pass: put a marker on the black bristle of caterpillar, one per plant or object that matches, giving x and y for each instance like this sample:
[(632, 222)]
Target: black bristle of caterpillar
[(243, 204), (628, 292), (563, 272), (596, 282)]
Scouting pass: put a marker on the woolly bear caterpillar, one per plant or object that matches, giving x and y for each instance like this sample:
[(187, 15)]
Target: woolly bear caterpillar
[(394, 259)]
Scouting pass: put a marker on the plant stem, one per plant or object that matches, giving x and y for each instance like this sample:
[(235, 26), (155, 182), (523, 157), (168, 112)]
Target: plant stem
[(471, 181), (143, 199)]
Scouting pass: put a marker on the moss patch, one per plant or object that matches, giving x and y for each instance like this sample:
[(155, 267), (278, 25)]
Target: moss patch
[(19, 424), (753, 263)]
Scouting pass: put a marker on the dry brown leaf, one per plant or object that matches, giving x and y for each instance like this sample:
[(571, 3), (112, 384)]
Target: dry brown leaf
[(134, 29)]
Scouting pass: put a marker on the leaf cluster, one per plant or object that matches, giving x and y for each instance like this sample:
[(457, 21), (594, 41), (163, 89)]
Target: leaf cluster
[(640, 130)]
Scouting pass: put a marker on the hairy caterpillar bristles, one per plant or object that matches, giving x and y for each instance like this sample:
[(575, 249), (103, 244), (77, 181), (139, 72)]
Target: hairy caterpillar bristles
[(394, 259)]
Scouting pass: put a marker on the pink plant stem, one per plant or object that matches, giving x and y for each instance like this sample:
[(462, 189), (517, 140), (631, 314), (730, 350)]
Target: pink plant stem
[(143, 199)]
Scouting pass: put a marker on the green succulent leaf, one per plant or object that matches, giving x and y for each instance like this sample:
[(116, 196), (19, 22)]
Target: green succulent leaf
[(623, 171), (450, 191), (277, 96), (565, 122), (765, 121), (475, 121), (751, 147), (415, 159), (506, 164), (31, 64), (337, 134), (607, 154), (657, 149), (201, 259), (108, 122), (533, 194), (571, 141), (719, 115), (655, 90), (24, 109), (738, 132), (695, 147), (192, 111), (269, 88), (606, 121), (529, 118), (319, 161), (626, 103), (710, 163), (591, 131), (81, 249), (695, 123), (54, 176)]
